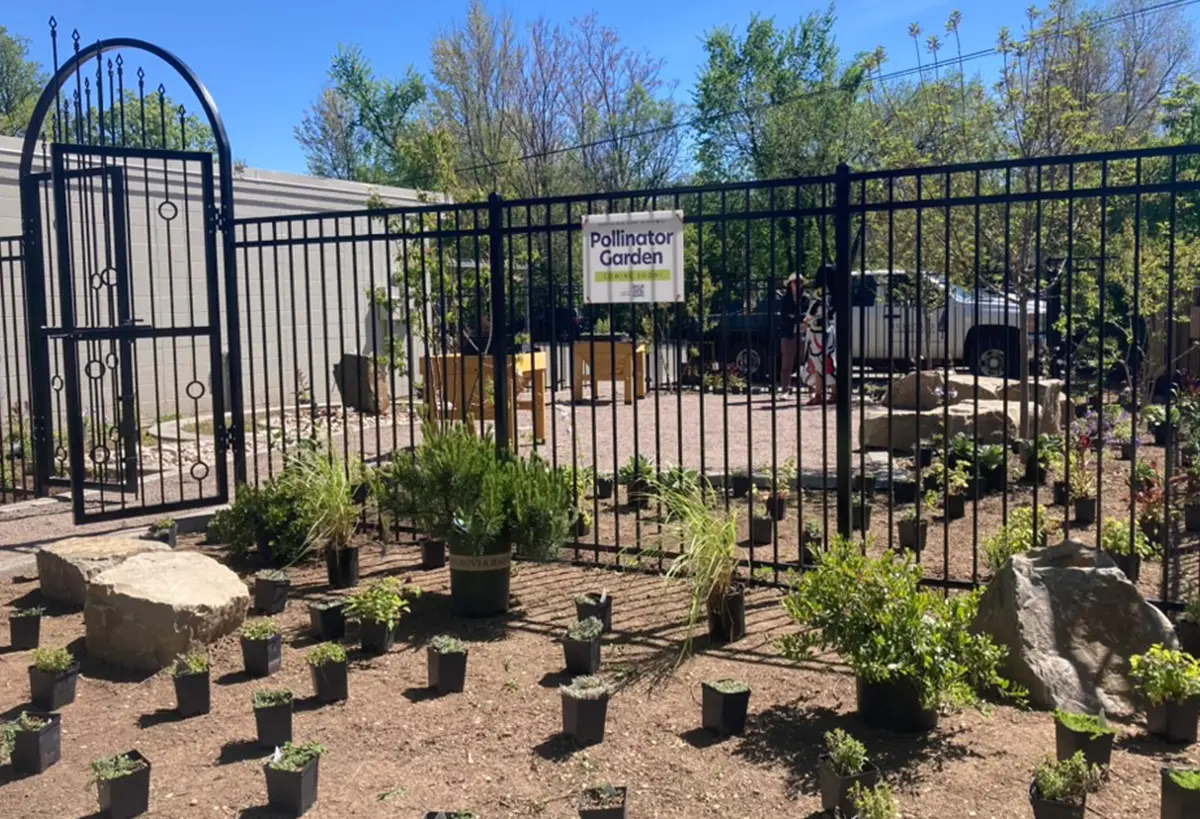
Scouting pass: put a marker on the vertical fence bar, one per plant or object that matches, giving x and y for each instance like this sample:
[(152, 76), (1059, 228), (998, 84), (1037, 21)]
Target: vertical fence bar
[(499, 350), (844, 333)]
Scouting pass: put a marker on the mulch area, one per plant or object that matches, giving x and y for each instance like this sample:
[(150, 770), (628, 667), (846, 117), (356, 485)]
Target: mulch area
[(395, 751)]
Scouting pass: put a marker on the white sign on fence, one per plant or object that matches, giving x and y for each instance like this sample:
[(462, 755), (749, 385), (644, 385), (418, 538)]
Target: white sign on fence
[(631, 258)]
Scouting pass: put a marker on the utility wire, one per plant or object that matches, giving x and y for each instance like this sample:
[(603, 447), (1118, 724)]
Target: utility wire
[(894, 75)]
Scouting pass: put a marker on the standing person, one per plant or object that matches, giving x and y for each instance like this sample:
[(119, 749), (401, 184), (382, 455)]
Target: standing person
[(820, 338), (787, 339)]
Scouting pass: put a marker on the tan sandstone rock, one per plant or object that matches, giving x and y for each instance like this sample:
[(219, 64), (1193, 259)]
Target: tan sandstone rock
[(65, 568)]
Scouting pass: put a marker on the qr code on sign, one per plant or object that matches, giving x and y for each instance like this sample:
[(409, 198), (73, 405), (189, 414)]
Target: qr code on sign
[(637, 291)]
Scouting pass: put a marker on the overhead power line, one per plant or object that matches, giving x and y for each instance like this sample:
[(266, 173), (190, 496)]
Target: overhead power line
[(893, 75)]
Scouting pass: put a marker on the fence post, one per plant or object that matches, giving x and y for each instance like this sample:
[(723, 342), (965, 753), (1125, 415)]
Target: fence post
[(844, 337), (499, 329)]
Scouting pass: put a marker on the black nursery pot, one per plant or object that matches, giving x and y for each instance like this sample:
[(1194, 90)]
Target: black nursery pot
[(479, 586), (274, 725), (1060, 493), (1047, 809), (35, 751), (341, 567), (904, 491), (1189, 636), (912, 534), (723, 713), (1178, 802), (584, 719), (639, 493), (835, 790), (582, 656), (604, 488), (447, 672), (1085, 511), (293, 791), (1096, 751), (376, 638), (330, 623), (727, 624), (601, 610), (1128, 451), (894, 705), (613, 812), (262, 658), (996, 478), (739, 485), (860, 517), (270, 596), (433, 554), (127, 796), (1174, 721), (777, 506), (331, 682), (761, 530), (25, 632), (192, 694), (581, 528), (49, 691), (1130, 564), (168, 536), (924, 456), (956, 507), (1035, 473), (1191, 517)]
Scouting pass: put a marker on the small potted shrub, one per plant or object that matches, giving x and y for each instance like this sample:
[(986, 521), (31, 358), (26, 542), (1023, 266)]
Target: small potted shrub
[(190, 673), (25, 627), (913, 530), (262, 648), (637, 474), (273, 716), (1039, 454), (327, 662), (1122, 434), (165, 531), (1127, 545), (762, 524), (292, 775), (36, 742), (1187, 628), (1083, 493), (1170, 681), (52, 678), (602, 802), (328, 488), (723, 706), (433, 554), (843, 764), (811, 539), (875, 802), (740, 482), (860, 514), (1060, 787), (378, 608), (581, 646), (328, 618), (1180, 793), (1089, 733), (993, 467), (954, 483), (604, 487), (447, 662), (595, 605), (271, 590), (1191, 499), (861, 484), (777, 499), (122, 785), (585, 708)]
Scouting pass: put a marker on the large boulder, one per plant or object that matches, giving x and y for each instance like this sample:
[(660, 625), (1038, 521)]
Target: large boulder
[(66, 567), (155, 606), (930, 389), (1071, 621), (362, 385), (1050, 399)]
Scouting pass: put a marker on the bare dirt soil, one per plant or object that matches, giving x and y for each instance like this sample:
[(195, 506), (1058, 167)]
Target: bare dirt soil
[(393, 750)]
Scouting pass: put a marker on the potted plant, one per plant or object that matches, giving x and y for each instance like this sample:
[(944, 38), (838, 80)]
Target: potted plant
[(1155, 419), (602, 802), (165, 531), (860, 514), (1087, 733), (582, 481), (785, 481), (262, 648), (271, 590), (1170, 681), (740, 482), (1187, 628), (190, 673), (708, 562), (993, 467), (1180, 793), (912, 650), (1191, 498), (954, 483), (36, 742), (25, 627), (604, 487), (447, 662), (843, 764), (378, 609), (811, 539), (122, 785), (762, 524), (585, 708), (292, 774), (776, 503), (861, 484), (328, 618), (923, 451), (1039, 454), (327, 488), (52, 678), (1060, 787), (581, 646), (1083, 493), (433, 554), (875, 802), (723, 706), (913, 530), (273, 716), (330, 677), (1127, 545), (598, 605), (1122, 434), (637, 474)]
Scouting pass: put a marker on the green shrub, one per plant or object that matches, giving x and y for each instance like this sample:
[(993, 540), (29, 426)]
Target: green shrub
[(1093, 725), (383, 601), (270, 516), (1116, 535), (1165, 675), (445, 644), (1191, 608), (10, 729), (847, 756), (874, 803), (585, 630), (52, 660), (1188, 779), (325, 487), (270, 697), (259, 630), (1069, 781), (637, 468), (728, 686), (194, 662), (292, 757), (114, 767), (541, 507), (324, 653), (161, 527), (1026, 529)]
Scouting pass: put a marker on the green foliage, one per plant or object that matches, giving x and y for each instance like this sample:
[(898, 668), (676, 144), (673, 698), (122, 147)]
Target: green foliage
[(259, 630), (1165, 675), (383, 601), (324, 653), (680, 479), (114, 767), (269, 516), (876, 615), (31, 611), (847, 756), (1188, 779), (1027, 528), (1094, 725), (589, 687), (730, 686), (271, 697), (602, 326), (52, 660), (163, 526), (21, 81), (874, 803), (293, 756), (1119, 537), (9, 730), (1069, 780), (274, 575), (194, 662), (991, 457), (637, 468), (540, 507), (1191, 608), (445, 644), (325, 489), (585, 630)]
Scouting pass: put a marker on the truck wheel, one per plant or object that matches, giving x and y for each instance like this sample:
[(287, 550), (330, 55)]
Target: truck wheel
[(994, 355)]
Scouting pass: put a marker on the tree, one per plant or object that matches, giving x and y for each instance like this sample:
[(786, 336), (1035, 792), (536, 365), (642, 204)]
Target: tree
[(332, 142), (21, 82)]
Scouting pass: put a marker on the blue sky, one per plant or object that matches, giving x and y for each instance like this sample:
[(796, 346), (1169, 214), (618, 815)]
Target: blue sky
[(265, 61)]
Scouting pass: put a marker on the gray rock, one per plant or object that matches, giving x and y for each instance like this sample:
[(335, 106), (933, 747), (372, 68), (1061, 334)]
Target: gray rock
[(155, 606), (362, 385), (1071, 621), (66, 567)]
